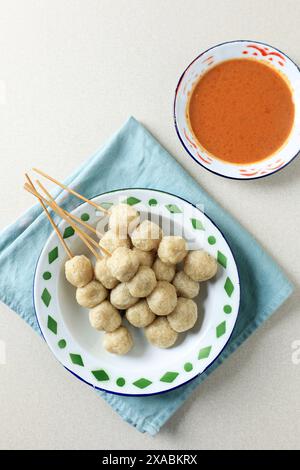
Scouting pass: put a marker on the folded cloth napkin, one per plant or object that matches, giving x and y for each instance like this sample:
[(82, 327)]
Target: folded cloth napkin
[(133, 158)]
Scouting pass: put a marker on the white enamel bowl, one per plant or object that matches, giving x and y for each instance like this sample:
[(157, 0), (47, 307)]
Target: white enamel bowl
[(145, 370)]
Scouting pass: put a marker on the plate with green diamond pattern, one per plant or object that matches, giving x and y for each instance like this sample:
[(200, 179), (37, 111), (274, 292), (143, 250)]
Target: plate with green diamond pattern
[(146, 370)]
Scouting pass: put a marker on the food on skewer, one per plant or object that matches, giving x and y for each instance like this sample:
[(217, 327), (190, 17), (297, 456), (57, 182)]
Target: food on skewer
[(141, 280), (123, 219), (119, 341), (172, 249), (200, 265), (79, 271), (110, 241), (185, 286), (123, 263), (121, 298), (103, 274), (160, 333), (140, 315), (91, 294), (105, 317), (184, 315), (146, 258), (163, 271), (147, 236), (163, 298), (142, 283)]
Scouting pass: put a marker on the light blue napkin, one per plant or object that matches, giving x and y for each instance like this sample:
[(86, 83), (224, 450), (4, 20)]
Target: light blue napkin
[(133, 158)]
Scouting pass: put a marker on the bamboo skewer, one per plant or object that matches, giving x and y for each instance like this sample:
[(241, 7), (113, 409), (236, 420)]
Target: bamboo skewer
[(67, 216), (72, 191), (82, 235), (58, 210), (80, 221), (68, 251), (74, 217)]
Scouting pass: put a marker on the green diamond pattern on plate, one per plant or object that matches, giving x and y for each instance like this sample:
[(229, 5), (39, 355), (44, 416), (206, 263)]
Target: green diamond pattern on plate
[(76, 359), (131, 201), (46, 297), (169, 377), (53, 255), (197, 224), (100, 375), (142, 383), (52, 324), (173, 209), (204, 352), (229, 287), (222, 260), (69, 232), (221, 329), (106, 205)]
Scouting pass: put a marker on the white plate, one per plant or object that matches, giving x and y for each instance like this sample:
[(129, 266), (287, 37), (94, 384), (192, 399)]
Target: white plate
[(146, 370)]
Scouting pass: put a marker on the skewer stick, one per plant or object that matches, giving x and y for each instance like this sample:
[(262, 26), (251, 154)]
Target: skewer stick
[(72, 191), (80, 221), (67, 217), (72, 216), (68, 251), (82, 237), (59, 211)]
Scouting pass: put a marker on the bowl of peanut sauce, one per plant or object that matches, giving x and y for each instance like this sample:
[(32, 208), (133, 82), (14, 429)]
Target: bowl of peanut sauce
[(237, 109)]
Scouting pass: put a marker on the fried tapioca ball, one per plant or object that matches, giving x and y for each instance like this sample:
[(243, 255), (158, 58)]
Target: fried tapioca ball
[(146, 236), (105, 317), (121, 298), (103, 274), (163, 271), (118, 342), (91, 295), (111, 241), (146, 258), (172, 249), (123, 263), (142, 283), (79, 271), (163, 298), (185, 286), (160, 333), (200, 266), (140, 315), (123, 219), (184, 315)]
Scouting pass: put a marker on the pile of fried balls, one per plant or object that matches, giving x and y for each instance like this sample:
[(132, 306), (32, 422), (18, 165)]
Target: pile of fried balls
[(142, 279)]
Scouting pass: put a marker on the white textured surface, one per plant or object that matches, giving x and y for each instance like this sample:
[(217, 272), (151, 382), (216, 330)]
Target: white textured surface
[(71, 72)]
